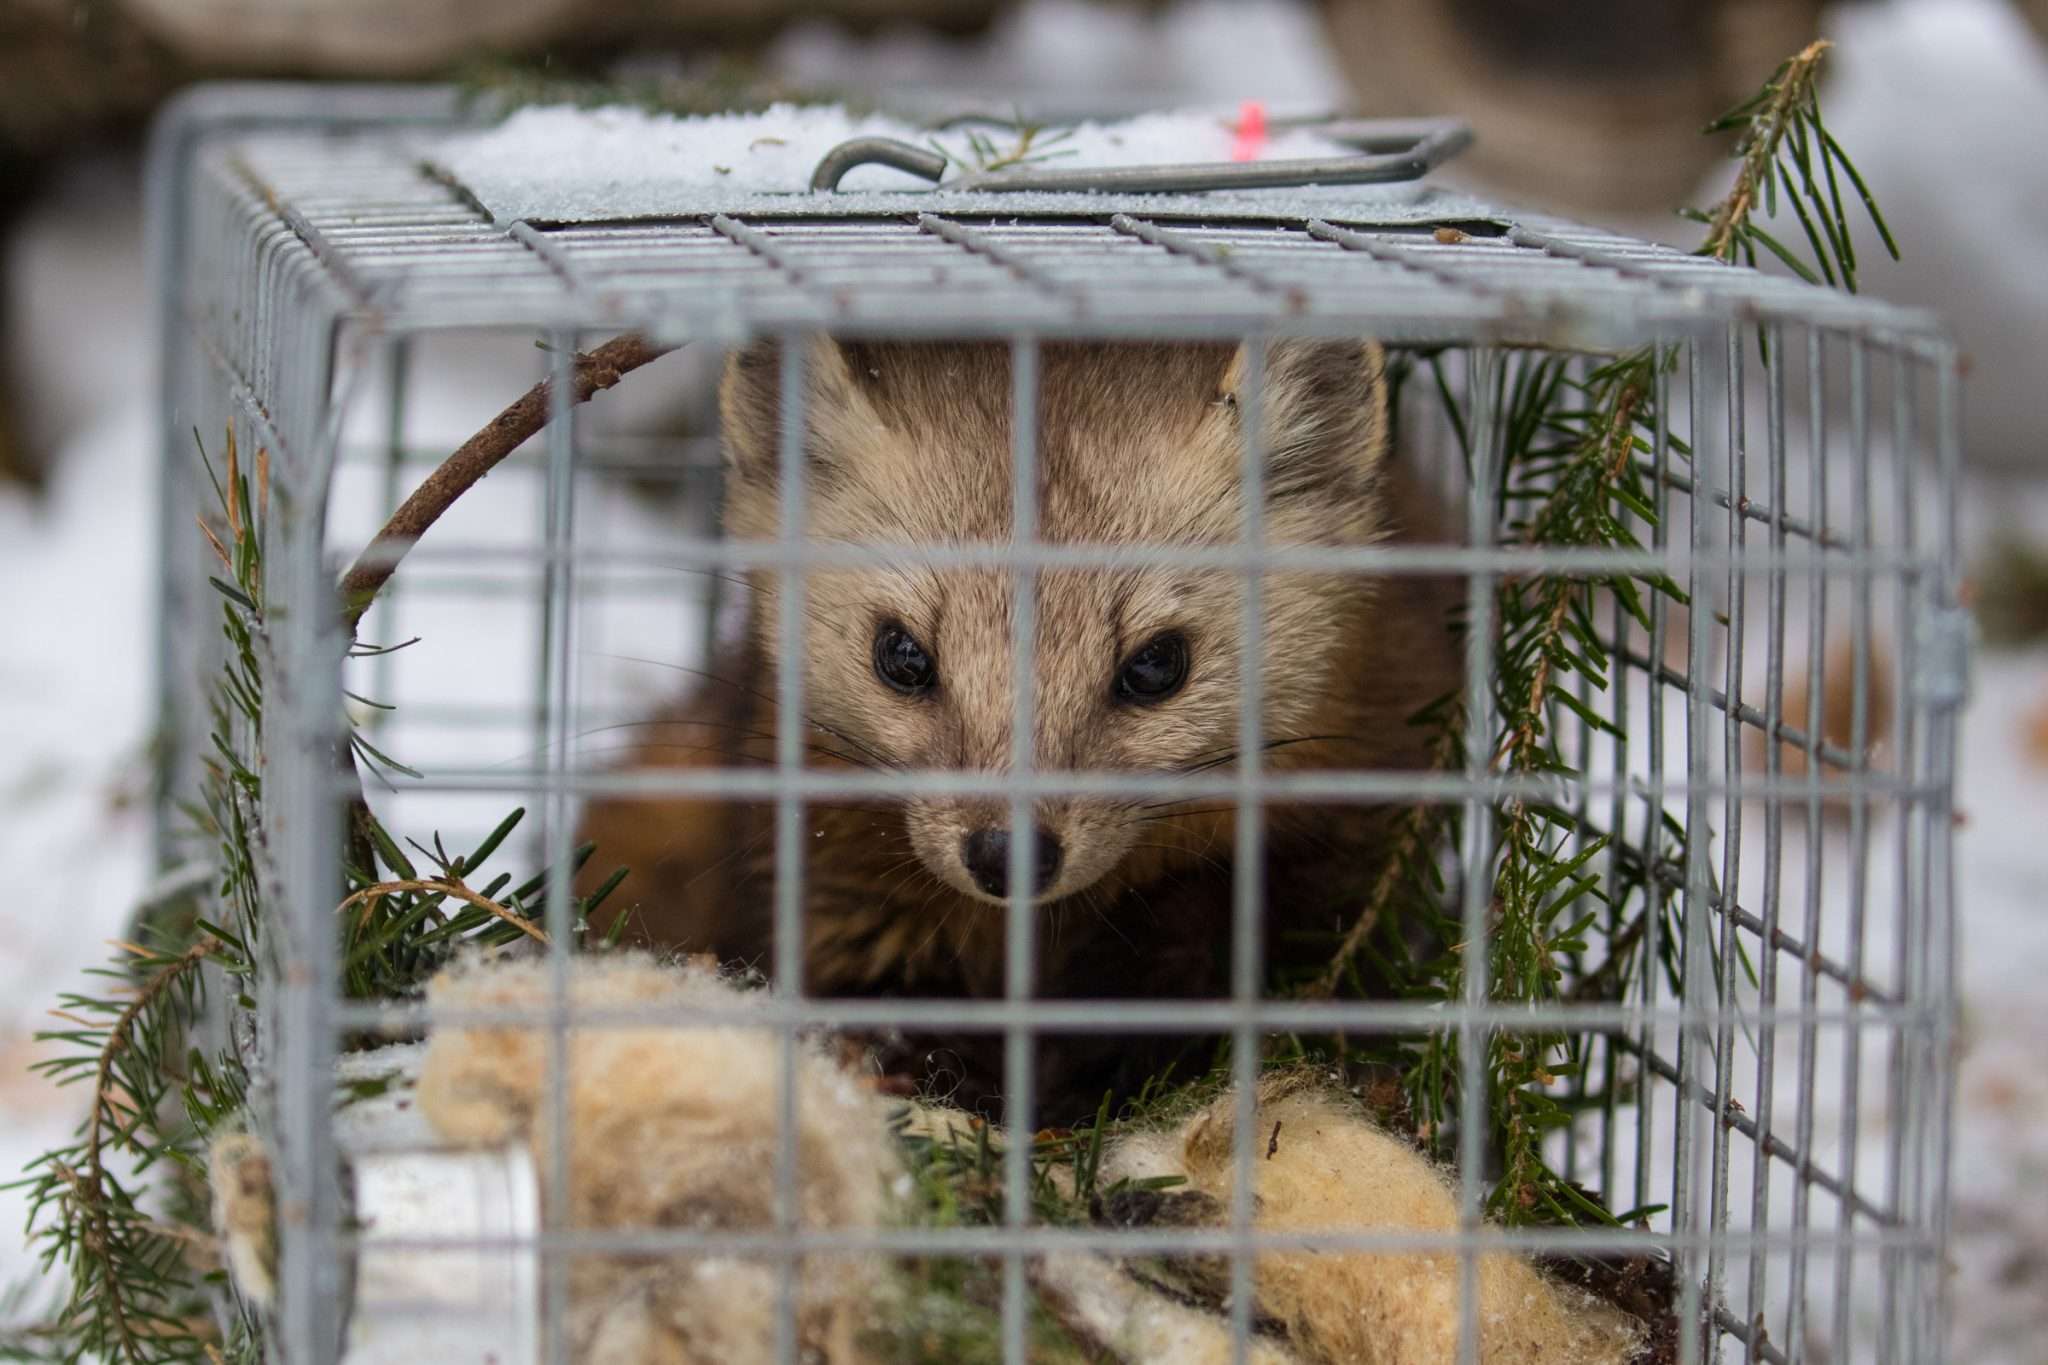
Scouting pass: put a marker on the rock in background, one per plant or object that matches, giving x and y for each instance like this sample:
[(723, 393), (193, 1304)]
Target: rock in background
[(1593, 108)]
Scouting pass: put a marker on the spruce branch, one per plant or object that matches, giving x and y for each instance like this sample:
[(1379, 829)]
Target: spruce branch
[(1034, 144), (125, 1286), (1572, 455), (1579, 438), (135, 1294), (1764, 132), (119, 1034), (1787, 152), (591, 373)]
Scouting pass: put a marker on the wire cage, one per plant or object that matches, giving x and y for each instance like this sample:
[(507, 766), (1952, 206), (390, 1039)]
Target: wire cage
[(1777, 1092)]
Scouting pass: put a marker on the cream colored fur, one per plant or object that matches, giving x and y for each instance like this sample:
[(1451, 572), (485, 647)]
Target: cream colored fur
[(671, 1127), (676, 1127), (1330, 1170), (245, 1214), (1129, 1321)]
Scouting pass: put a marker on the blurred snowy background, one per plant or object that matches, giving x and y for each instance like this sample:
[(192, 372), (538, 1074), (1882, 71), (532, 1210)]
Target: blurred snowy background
[(1944, 103)]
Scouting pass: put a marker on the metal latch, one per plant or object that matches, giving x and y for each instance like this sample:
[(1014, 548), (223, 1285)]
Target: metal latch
[(1944, 641)]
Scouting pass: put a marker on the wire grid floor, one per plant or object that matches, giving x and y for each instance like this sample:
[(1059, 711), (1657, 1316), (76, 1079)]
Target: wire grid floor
[(296, 255)]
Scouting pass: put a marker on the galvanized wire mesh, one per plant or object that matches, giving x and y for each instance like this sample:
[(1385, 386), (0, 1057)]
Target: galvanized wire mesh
[(317, 282)]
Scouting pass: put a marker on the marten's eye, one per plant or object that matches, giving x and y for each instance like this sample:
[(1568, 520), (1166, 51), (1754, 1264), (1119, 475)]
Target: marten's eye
[(901, 661), (1155, 672)]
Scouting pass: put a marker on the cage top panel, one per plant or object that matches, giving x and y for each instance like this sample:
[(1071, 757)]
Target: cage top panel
[(399, 248)]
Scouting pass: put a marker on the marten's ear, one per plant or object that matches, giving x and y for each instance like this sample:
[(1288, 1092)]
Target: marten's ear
[(750, 406), (1323, 409)]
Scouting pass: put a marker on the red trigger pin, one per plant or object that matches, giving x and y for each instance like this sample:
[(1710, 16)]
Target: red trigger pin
[(1251, 131)]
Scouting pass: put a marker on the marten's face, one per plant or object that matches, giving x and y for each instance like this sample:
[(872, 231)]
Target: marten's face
[(1136, 668)]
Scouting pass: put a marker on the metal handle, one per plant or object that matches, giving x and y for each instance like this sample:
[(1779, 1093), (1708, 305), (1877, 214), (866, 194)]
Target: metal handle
[(1396, 151), (876, 151)]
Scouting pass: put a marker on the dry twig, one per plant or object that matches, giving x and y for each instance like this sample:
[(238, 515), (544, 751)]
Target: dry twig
[(594, 371), (445, 886)]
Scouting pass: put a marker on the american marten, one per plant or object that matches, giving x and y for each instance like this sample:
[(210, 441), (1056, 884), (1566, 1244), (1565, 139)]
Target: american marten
[(1138, 669)]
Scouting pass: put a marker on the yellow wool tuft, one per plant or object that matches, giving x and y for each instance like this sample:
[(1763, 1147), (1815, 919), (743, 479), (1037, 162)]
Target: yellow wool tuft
[(245, 1214), (1330, 1170), (675, 1125), (670, 1126)]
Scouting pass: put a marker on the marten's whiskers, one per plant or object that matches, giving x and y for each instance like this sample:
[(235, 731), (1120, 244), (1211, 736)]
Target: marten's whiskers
[(1217, 758), (1093, 903), (1159, 815), (1196, 853), (895, 876)]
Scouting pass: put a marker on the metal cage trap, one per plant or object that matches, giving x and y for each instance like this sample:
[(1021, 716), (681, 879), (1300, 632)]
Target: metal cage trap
[(347, 310)]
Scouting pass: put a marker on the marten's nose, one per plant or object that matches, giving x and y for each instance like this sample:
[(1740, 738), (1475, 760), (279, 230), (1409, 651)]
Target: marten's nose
[(987, 855)]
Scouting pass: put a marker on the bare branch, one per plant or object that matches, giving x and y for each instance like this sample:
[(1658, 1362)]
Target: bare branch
[(594, 371)]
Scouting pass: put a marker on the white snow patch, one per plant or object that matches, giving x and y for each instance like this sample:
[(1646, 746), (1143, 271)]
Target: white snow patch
[(374, 1103), (564, 164), (76, 621), (1943, 103)]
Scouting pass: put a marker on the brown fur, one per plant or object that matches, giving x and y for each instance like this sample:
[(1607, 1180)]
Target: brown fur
[(911, 444)]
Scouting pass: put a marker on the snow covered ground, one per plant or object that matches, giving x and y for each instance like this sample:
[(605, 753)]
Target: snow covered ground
[(77, 570), (76, 615)]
